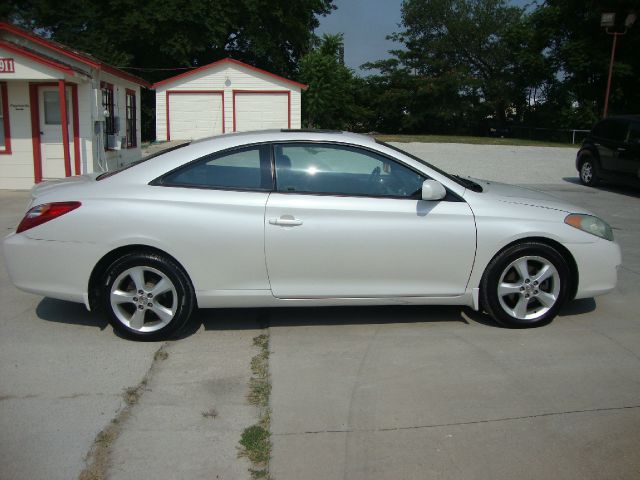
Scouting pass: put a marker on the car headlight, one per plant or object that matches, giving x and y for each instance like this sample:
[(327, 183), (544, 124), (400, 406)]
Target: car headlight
[(590, 224)]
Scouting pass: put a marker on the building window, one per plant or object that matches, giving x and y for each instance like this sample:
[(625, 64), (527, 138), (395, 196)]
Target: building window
[(52, 112), (109, 117), (5, 131), (131, 119)]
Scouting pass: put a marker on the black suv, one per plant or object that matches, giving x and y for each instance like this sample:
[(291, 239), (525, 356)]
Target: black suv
[(611, 152)]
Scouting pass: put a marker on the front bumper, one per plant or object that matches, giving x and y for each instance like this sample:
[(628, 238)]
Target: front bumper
[(598, 265)]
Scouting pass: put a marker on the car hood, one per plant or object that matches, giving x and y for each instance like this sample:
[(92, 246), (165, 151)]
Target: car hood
[(53, 185), (503, 192)]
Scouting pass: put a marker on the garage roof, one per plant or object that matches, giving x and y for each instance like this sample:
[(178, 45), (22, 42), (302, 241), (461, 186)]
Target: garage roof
[(232, 62)]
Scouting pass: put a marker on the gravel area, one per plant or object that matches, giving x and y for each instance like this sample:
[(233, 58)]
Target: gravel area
[(500, 163)]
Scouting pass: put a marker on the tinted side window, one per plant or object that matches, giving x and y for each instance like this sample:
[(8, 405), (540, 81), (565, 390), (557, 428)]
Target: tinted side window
[(619, 130), (342, 170), (243, 169), (602, 129), (634, 133), (611, 129)]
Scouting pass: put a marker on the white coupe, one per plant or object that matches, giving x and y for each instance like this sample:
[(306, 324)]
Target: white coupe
[(295, 218)]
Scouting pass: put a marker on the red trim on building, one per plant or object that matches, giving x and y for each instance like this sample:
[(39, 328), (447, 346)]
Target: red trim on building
[(31, 56), (263, 92), (35, 128), (5, 119), (233, 62), (174, 92), (76, 128), (62, 97), (76, 55), (35, 132), (49, 44)]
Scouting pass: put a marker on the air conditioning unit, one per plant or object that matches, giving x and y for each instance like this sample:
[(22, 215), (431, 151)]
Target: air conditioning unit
[(113, 142)]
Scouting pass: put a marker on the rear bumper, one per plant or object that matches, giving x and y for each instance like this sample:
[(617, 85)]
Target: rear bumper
[(598, 265), (50, 268)]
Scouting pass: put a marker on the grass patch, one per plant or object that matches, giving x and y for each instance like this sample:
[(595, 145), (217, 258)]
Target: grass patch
[(472, 140), (160, 355), (255, 441)]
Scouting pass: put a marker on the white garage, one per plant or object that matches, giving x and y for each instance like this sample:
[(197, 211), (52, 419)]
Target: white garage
[(225, 96)]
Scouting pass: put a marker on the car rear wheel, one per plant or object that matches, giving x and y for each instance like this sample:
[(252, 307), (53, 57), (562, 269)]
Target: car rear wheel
[(588, 172), (525, 285), (146, 296)]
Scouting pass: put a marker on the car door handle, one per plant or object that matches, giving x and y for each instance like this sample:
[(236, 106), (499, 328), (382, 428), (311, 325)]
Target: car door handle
[(621, 149), (285, 221)]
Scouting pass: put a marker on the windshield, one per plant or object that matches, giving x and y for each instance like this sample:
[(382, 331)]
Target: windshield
[(110, 173), (464, 182)]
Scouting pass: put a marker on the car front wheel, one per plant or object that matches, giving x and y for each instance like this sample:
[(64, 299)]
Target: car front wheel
[(146, 296), (588, 172), (525, 285)]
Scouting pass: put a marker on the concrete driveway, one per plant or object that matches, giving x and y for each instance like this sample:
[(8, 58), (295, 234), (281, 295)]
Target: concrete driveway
[(442, 393)]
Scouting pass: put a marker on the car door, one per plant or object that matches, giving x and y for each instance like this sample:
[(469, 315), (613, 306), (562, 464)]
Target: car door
[(213, 217), (629, 153), (348, 222), (609, 139)]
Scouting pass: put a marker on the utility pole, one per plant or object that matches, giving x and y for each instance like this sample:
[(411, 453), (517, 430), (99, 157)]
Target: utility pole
[(608, 20)]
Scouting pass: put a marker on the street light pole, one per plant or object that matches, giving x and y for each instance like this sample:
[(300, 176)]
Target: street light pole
[(613, 54), (608, 20)]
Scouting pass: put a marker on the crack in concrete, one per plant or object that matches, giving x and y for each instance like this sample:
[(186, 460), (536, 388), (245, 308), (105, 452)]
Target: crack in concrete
[(60, 397), (456, 424), (97, 459), (629, 270)]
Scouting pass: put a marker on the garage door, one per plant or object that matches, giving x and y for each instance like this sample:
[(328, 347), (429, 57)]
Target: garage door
[(261, 111), (194, 115)]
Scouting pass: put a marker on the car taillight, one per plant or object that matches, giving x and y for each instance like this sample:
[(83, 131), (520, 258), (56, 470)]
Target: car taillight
[(43, 213)]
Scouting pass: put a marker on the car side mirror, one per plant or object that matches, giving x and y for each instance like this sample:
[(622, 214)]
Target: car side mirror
[(432, 190)]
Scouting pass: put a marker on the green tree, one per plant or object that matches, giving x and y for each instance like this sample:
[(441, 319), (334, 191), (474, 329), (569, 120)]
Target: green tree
[(464, 43), (579, 50), (329, 102), (271, 34)]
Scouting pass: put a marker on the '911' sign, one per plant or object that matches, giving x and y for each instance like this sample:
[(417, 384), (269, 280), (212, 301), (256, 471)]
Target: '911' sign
[(7, 65)]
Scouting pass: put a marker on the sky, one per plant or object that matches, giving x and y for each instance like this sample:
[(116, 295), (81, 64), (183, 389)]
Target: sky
[(365, 25)]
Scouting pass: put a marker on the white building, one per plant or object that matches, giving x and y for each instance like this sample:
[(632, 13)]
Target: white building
[(62, 112), (225, 96)]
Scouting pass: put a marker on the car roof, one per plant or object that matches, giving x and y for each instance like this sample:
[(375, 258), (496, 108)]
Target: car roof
[(286, 134)]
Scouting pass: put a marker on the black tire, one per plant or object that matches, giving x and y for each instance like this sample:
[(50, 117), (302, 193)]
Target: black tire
[(146, 317), (503, 275), (589, 173)]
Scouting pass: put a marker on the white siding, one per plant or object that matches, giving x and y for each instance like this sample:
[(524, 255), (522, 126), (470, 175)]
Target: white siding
[(118, 158), (226, 77), (16, 169), (28, 69)]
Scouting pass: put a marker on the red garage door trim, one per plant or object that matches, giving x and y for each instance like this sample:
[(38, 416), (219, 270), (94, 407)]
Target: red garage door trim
[(178, 92), (258, 92)]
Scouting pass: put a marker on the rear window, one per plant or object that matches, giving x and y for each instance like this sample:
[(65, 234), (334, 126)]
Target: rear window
[(111, 173)]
